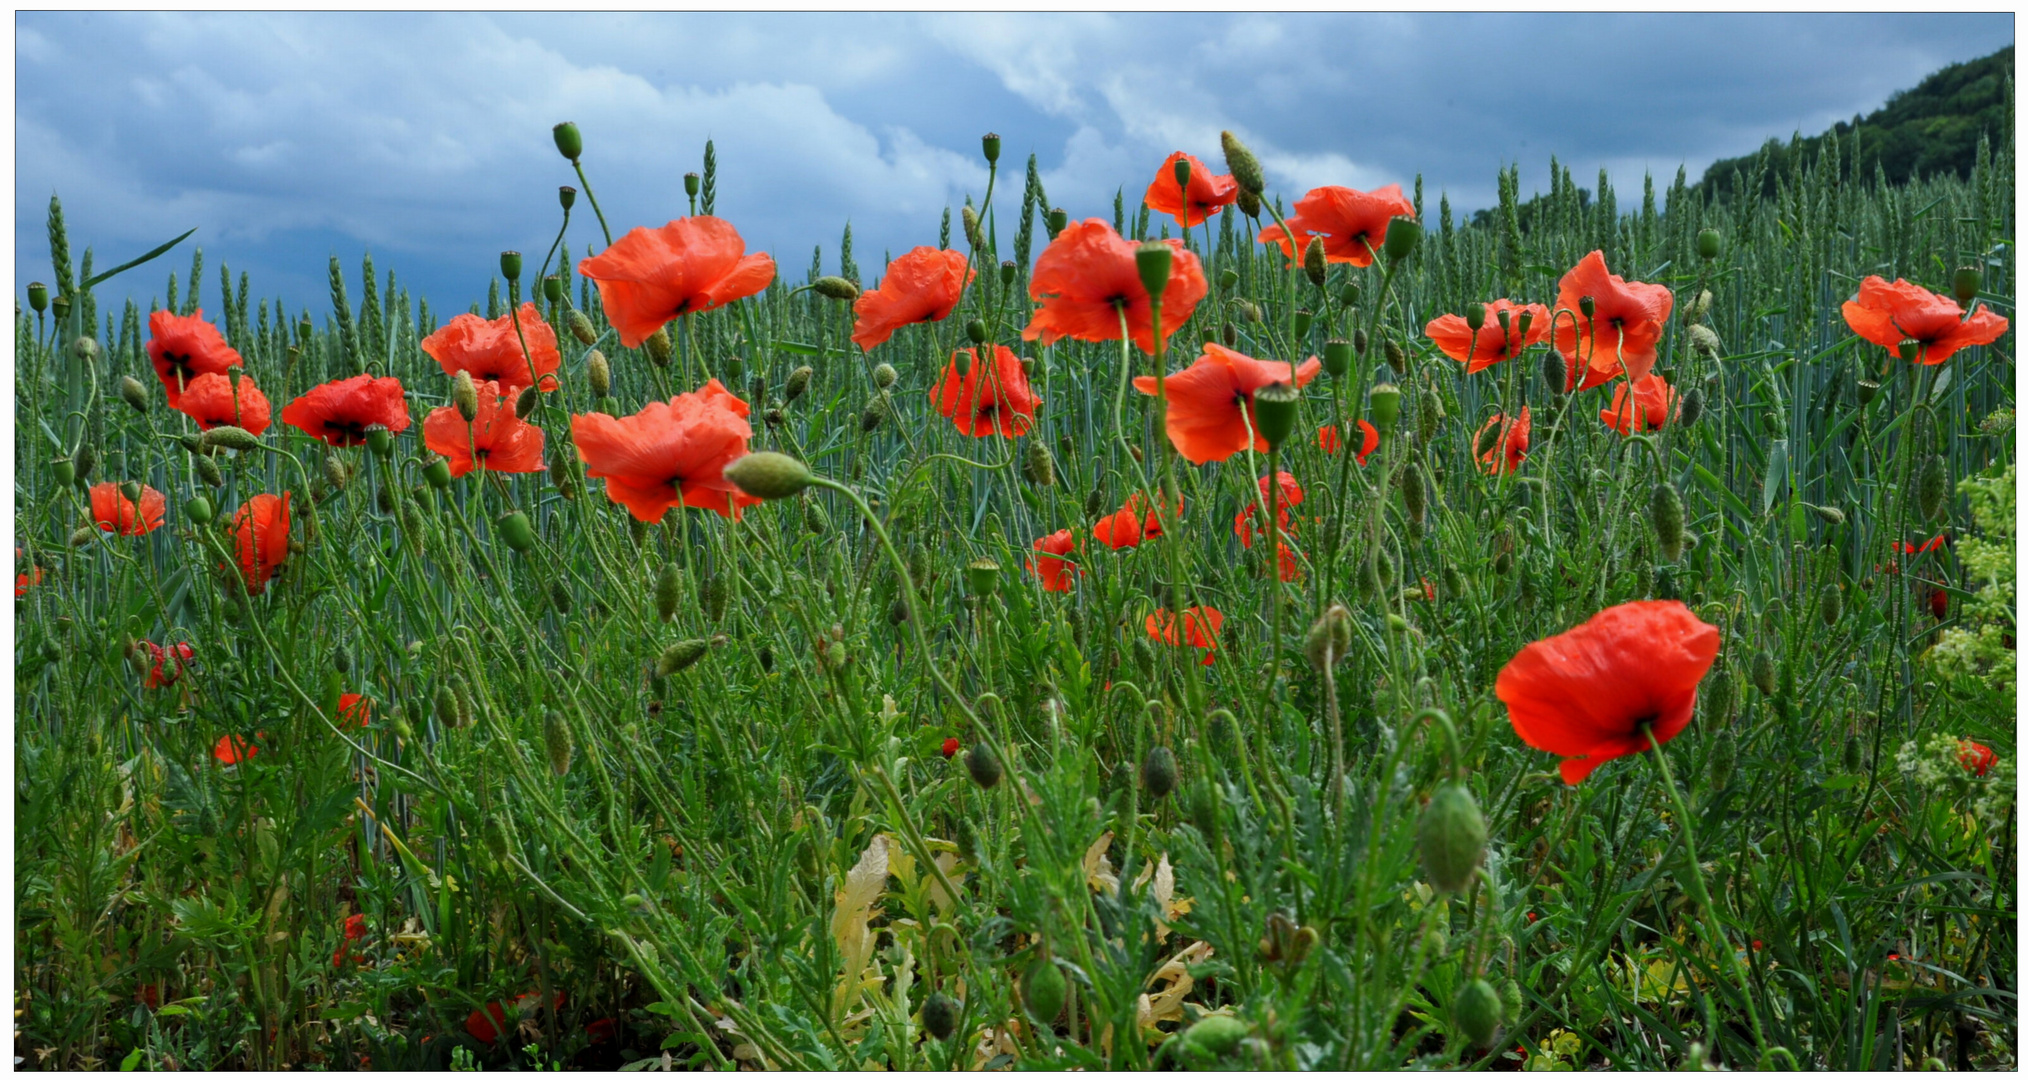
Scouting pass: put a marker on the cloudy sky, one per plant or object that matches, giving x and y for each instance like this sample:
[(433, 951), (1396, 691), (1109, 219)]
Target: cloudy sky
[(288, 138)]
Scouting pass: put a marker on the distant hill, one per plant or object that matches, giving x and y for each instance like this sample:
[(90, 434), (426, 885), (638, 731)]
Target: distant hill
[(1929, 129)]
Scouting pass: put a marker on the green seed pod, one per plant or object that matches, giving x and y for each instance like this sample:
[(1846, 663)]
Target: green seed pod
[(437, 472), (208, 471), (559, 598), (557, 743), (38, 296), (1383, 404), (1932, 488), (569, 141), (1665, 512), (983, 764), (1274, 410), (1762, 672), (1414, 496), (198, 510), (1709, 244), (681, 655), (1204, 811), (516, 530), (769, 475), (1403, 234), (1965, 283), (1158, 772), (1037, 466), (1215, 1036), (1476, 1012), (1043, 990), (940, 1015), (1511, 1001), (1337, 358), (1452, 837), (341, 660), (876, 413)]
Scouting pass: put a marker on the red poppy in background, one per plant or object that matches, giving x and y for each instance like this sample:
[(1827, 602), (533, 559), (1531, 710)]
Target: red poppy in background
[(1088, 274), (231, 749), (260, 532), (22, 581), (1245, 524), (923, 285), (1285, 560), (341, 411), (1887, 315), (605, 1029), (1207, 194), (1352, 223), (169, 663), (1490, 344), (495, 438), (1369, 440), (183, 347), (950, 748), (1625, 324), (1124, 527), (210, 400), (491, 351), (354, 929), (113, 513), (1509, 449), (984, 402), (1200, 626), (1910, 548), (1976, 757), (354, 710), (1939, 603), (1653, 403), (1585, 694), (1211, 401), (671, 453), (489, 1023), (694, 264), (1057, 574)]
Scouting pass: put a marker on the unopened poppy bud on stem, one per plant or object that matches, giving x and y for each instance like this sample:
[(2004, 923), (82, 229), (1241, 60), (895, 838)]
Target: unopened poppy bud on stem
[(1330, 637), (465, 396), (769, 475), (437, 473), (569, 142), (975, 331), (1313, 262), (581, 327), (198, 510), (1553, 371), (1452, 837), (525, 404), (884, 376), (1709, 244), (133, 393), (599, 372), (208, 471), (1665, 510), (972, 234), (230, 437), (1274, 410), (835, 287), (1245, 168), (659, 349), (681, 655)]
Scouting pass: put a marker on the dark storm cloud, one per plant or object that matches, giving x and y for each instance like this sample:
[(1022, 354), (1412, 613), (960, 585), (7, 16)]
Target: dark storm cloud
[(288, 138)]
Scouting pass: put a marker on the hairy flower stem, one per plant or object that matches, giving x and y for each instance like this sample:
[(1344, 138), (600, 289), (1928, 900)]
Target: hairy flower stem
[(594, 199)]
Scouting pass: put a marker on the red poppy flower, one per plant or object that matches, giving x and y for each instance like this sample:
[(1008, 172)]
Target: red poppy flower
[(1369, 440), (671, 453), (1200, 626), (1585, 694), (209, 399), (489, 1023), (22, 581), (1490, 344), (355, 710), (260, 532), (1285, 560), (231, 749), (1510, 448), (1887, 315), (1087, 275), (604, 1029), (1977, 758), (183, 347), (115, 514), (1211, 401), (1124, 528), (1245, 525), (1208, 194), (340, 412), (1352, 223), (1057, 574), (950, 748), (924, 285), (355, 929), (982, 402), (650, 276), (1939, 603), (1928, 545), (175, 657), (491, 350), (1428, 591), (1650, 409), (1625, 323), (495, 438)]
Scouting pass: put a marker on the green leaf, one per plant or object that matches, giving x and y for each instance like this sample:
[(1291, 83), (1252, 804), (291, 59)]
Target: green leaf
[(131, 263), (1777, 472), (132, 1060)]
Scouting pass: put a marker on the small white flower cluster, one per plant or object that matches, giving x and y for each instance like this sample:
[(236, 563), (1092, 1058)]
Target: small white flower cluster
[(1949, 765), (1979, 649)]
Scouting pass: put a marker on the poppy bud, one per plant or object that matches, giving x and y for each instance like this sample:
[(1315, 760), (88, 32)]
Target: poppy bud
[(1452, 838), (133, 393), (559, 598), (1665, 511), (38, 296), (1158, 772), (1396, 359), (1521, 324), (1359, 342), (1429, 413), (1244, 167), (983, 764), (1554, 374), (85, 350), (1932, 488), (437, 472), (813, 517), (991, 145), (835, 287), (525, 404), (1868, 390), (1229, 334), (982, 576), (510, 265), (1384, 404), (1692, 408), (975, 329), (1274, 411), (516, 530), (556, 743), (336, 472), (465, 396), (1724, 755), (769, 475), (1832, 605), (659, 348), (1414, 496), (1056, 221), (1475, 315), (1709, 244), (448, 713), (1329, 638), (884, 376), (232, 438), (82, 536), (1705, 340), (83, 461), (1587, 305), (1910, 350), (1403, 233), (1337, 358), (1855, 756), (208, 471), (552, 288), (1476, 1012), (1300, 323), (1038, 466), (581, 328), (1965, 282), (1043, 990), (973, 236), (569, 142), (1830, 515), (876, 412), (1313, 261), (1762, 672), (681, 655), (940, 1015), (1251, 312), (1153, 259), (1248, 204), (1228, 279)]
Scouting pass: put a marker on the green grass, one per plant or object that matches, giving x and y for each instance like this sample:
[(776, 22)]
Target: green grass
[(707, 873)]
